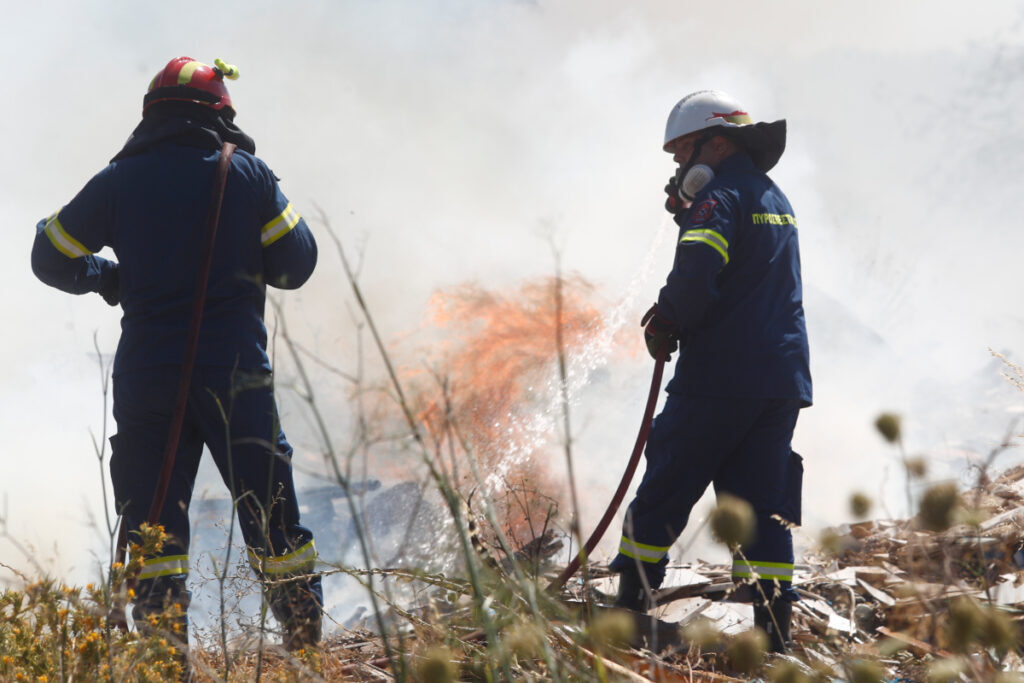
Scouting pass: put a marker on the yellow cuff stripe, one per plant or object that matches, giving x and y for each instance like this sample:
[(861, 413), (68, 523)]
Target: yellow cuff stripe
[(710, 238), (164, 566), (62, 241), (301, 560), (279, 226), (763, 570), (641, 551)]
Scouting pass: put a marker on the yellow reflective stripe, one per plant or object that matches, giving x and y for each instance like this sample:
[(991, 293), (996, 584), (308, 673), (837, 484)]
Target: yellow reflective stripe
[(710, 238), (642, 551), (164, 566), (302, 559), (739, 117), (763, 570), (64, 243), (279, 226), (185, 75)]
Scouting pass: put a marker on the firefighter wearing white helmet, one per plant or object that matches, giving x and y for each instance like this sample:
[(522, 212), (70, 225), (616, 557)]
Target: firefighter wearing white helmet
[(700, 117), (732, 306), (704, 109)]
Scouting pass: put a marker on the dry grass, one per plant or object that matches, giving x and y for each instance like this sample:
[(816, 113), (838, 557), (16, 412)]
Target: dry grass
[(491, 625)]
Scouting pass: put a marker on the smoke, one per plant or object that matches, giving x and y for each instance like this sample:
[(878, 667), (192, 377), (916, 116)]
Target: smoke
[(445, 139)]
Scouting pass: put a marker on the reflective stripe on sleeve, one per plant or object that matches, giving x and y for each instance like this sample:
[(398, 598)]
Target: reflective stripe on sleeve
[(64, 243), (710, 238), (641, 551), (762, 570), (164, 566), (279, 226), (301, 560)]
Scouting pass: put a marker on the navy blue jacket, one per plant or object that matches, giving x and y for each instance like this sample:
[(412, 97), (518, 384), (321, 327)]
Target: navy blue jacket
[(151, 209), (735, 294)]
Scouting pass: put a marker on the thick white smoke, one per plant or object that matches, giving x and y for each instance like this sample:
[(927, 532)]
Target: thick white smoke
[(445, 137)]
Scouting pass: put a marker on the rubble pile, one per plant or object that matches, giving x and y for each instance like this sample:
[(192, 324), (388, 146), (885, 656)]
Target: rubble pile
[(892, 593), (939, 597)]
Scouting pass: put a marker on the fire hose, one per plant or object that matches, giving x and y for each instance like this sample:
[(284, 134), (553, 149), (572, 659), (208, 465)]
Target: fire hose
[(627, 477), (117, 615)]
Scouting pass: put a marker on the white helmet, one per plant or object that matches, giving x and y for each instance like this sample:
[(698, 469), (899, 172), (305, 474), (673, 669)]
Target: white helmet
[(704, 109)]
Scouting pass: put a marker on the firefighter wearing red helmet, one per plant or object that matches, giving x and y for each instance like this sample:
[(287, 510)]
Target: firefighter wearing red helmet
[(149, 205), (186, 80), (732, 306)]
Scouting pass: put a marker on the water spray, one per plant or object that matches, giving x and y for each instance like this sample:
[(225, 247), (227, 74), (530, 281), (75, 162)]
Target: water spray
[(627, 477), (527, 435)]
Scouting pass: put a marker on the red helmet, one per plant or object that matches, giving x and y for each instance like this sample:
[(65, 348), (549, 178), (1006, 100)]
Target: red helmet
[(186, 80)]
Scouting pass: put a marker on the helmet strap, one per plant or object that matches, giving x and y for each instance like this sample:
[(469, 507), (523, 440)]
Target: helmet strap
[(698, 145), (685, 169)]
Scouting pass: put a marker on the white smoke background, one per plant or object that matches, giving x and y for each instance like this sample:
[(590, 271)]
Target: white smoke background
[(446, 139)]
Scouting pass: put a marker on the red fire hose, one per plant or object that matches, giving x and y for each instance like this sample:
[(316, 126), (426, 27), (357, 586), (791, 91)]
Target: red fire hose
[(187, 366), (192, 342), (627, 477)]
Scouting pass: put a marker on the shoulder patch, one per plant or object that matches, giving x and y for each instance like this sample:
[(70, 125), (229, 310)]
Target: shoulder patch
[(702, 212)]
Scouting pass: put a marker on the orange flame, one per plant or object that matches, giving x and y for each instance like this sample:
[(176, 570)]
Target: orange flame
[(494, 363)]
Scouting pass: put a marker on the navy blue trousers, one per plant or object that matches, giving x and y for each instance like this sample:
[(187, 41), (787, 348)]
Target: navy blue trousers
[(235, 415), (742, 447)]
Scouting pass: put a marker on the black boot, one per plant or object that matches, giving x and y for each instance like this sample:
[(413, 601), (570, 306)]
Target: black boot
[(298, 607), (633, 595), (302, 633), (774, 619), (166, 600)]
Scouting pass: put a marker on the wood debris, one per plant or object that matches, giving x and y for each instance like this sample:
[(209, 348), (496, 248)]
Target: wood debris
[(886, 594)]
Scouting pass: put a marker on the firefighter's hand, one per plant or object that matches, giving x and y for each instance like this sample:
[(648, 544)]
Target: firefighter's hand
[(659, 333), (673, 203), (110, 284)]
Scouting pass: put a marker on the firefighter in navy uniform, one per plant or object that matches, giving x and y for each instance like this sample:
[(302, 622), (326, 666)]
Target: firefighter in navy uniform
[(150, 205), (732, 305)]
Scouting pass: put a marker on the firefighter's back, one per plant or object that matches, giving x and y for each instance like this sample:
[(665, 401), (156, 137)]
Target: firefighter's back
[(161, 202)]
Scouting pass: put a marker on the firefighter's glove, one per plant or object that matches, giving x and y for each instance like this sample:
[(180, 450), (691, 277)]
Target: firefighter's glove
[(659, 333), (673, 203), (109, 286)]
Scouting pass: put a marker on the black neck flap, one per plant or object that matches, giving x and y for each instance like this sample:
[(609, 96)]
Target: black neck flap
[(185, 123)]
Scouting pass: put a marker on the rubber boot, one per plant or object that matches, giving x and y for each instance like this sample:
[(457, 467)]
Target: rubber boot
[(632, 594), (774, 619)]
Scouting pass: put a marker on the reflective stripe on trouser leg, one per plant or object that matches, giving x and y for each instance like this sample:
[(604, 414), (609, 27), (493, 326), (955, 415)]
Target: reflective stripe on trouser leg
[(167, 565), (651, 554), (162, 583), (300, 561), (768, 559), (764, 571), (294, 592)]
